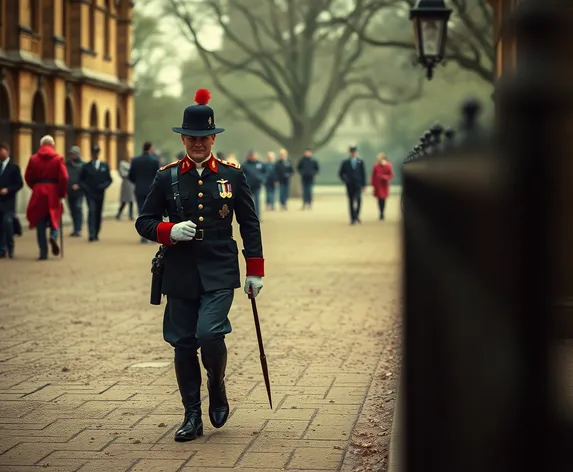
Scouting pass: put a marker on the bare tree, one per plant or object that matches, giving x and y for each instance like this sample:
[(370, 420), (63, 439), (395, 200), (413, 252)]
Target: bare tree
[(471, 38), (315, 75)]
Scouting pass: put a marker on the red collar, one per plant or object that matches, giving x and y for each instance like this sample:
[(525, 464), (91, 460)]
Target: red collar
[(187, 164)]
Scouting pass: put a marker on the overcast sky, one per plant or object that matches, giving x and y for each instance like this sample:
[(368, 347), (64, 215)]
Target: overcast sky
[(177, 46)]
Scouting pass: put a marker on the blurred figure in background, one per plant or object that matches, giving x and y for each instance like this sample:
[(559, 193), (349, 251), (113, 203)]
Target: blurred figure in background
[(271, 181), (95, 178), (255, 173), (126, 194), (142, 173), (47, 176), (353, 174), (308, 169), (75, 193), (382, 174), (284, 171), (10, 184)]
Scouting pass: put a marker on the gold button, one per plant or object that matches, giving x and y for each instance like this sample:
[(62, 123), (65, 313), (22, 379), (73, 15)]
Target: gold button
[(200, 206), (201, 218), (200, 182), (200, 195)]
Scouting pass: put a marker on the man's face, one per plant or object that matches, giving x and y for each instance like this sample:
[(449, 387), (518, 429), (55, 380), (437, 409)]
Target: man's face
[(3, 154), (252, 156), (74, 156), (352, 153), (307, 153), (282, 154), (95, 156), (198, 148)]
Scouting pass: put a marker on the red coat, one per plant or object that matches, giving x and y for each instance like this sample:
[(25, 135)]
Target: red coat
[(47, 176), (381, 177)]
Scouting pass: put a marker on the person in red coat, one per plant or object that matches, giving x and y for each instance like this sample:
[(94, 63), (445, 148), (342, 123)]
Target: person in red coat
[(47, 176), (382, 174)]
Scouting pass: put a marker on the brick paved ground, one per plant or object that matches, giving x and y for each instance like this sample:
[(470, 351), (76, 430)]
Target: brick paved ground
[(86, 380)]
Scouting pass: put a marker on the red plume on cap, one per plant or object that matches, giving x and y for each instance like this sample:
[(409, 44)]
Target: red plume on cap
[(202, 96)]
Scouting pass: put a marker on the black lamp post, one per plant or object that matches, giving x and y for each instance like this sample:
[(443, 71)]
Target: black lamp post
[(430, 20)]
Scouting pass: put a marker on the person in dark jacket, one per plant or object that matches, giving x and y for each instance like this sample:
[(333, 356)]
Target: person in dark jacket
[(353, 174), (74, 165), (254, 170), (95, 178), (141, 173), (271, 181), (308, 169), (10, 184), (201, 266), (284, 171)]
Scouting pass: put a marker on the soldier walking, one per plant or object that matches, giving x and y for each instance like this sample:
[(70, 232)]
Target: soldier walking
[(353, 174), (95, 178), (255, 172), (201, 269)]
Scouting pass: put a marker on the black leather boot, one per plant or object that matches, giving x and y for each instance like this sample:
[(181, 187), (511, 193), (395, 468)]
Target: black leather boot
[(188, 374), (214, 357)]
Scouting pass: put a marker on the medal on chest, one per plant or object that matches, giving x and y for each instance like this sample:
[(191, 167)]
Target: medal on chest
[(225, 189)]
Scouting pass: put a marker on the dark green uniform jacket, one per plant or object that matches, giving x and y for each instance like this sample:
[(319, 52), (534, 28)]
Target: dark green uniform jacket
[(210, 261)]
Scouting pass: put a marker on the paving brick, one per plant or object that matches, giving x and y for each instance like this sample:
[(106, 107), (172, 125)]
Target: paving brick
[(265, 460), (307, 458), (217, 457), (150, 465)]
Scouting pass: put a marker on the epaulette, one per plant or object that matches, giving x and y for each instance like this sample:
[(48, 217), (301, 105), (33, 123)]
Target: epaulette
[(229, 163), (171, 164)]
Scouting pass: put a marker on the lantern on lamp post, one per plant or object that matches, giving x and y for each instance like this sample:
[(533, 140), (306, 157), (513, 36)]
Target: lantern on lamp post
[(430, 21)]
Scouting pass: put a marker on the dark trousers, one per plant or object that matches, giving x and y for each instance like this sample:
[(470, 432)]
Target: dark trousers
[(354, 201), (270, 195), (95, 208), (192, 324), (381, 207), (284, 193), (41, 228), (6, 233), (129, 209), (307, 192), (256, 192), (75, 204)]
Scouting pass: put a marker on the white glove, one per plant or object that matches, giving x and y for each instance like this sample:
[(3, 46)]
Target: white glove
[(184, 231), (254, 284)]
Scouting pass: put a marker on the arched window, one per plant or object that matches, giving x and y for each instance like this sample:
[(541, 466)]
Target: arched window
[(94, 131)]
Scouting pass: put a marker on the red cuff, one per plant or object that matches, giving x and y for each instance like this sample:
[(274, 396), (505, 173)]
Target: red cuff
[(256, 266), (164, 233)]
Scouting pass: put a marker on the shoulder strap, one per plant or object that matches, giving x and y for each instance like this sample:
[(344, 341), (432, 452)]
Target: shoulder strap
[(176, 194)]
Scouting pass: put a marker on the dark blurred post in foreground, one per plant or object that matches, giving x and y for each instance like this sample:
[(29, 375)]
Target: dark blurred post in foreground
[(488, 270)]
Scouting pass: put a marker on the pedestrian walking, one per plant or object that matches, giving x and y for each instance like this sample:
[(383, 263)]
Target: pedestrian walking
[(47, 176), (126, 193), (201, 269), (10, 184), (95, 178), (352, 172), (382, 175), (308, 169), (75, 198), (143, 170), (271, 181), (284, 171), (255, 172)]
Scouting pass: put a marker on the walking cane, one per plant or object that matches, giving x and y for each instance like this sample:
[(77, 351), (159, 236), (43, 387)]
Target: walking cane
[(261, 348)]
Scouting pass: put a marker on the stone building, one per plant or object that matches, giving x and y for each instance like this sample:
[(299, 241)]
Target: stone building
[(65, 70)]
